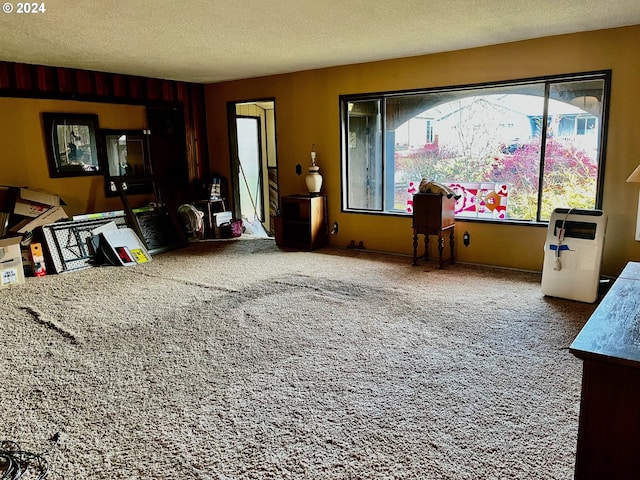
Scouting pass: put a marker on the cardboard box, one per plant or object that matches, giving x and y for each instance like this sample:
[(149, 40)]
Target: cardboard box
[(51, 215), (29, 209), (222, 217), (219, 219), (39, 196), (11, 270), (32, 203)]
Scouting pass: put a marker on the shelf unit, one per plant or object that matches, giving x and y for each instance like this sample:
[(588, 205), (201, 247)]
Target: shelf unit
[(303, 222)]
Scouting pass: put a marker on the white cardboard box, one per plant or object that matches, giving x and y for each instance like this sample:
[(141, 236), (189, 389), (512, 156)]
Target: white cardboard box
[(11, 270), (218, 219), (51, 215), (32, 203), (222, 217), (40, 196)]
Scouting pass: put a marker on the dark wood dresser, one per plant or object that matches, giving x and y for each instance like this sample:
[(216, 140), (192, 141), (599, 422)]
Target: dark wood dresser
[(609, 345)]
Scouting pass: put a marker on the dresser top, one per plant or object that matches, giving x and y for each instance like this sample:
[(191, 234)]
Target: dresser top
[(612, 333)]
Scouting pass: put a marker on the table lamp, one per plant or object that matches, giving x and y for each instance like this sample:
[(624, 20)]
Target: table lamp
[(635, 178)]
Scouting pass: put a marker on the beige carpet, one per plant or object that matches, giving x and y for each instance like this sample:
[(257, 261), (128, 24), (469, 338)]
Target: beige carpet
[(237, 360)]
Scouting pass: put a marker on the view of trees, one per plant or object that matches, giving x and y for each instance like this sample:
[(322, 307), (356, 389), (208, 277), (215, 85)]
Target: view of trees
[(476, 151), (570, 174)]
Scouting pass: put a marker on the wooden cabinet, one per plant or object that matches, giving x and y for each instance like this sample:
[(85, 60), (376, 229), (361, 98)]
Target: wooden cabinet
[(303, 222), (609, 428), (433, 214), (168, 151)]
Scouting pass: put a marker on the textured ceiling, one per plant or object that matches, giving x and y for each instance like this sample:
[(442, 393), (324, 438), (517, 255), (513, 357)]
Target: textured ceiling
[(215, 40)]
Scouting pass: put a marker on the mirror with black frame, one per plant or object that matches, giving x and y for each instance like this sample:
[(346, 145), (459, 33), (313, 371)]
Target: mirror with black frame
[(126, 156)]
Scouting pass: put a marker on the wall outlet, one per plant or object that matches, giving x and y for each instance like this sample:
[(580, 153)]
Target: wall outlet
[(466, 239)]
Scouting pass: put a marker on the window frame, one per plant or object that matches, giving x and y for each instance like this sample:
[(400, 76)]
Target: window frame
[(382, 96)]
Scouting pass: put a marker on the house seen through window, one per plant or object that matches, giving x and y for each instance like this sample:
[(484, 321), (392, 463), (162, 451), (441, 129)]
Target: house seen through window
[(512, 151)]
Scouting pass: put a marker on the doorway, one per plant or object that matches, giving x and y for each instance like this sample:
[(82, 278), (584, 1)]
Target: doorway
[(250, 168), (254, 167)]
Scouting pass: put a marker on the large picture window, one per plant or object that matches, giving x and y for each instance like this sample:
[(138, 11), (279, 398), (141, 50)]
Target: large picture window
[(512, 151)]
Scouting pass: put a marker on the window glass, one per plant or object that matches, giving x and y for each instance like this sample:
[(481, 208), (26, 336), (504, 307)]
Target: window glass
[(488, 143), (364, 155), (572, 146)]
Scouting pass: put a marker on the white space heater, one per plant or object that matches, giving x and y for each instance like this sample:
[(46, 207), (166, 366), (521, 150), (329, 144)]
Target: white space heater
[(573, 254)]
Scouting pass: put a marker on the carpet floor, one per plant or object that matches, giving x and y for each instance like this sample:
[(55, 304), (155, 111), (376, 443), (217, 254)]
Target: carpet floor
[(239, 360)]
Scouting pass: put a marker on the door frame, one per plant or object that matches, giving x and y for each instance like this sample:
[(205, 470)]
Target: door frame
[(269, 166)]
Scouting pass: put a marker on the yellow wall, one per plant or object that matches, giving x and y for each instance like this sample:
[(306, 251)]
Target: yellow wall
[(23, 160), (307, 112)]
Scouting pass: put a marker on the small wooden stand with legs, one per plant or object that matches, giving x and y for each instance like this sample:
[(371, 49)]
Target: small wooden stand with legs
[(433, 214)]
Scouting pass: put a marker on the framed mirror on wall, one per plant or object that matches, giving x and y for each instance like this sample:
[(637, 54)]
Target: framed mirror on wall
[(127, 158)]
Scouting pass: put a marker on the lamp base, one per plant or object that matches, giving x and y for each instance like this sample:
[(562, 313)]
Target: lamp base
[(314, 181)]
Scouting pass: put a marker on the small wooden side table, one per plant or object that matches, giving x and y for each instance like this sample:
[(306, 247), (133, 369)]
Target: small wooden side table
[(303, 222), (433, 214)]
